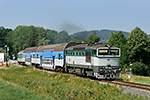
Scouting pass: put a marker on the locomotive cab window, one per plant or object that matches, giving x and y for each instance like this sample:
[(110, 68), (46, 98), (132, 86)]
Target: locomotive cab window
[(103, 52), (114, 52), (94, 52)]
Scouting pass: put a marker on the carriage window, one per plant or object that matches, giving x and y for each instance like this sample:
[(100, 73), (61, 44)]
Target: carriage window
[(33, 55), (82, 53), (73, 53), (68, 53), (114, 52), (79, 53), (59, 56), (103, 52)]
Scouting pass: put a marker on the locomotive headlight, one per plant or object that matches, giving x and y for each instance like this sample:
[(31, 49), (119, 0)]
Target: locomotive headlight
[(119, 70)]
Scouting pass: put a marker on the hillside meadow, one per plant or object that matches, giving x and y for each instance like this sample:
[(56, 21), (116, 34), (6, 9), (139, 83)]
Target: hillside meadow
[(58, 86)]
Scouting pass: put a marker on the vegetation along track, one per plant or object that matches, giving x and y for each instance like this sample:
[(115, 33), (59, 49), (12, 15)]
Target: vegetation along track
[(129, 84), (117, 82)]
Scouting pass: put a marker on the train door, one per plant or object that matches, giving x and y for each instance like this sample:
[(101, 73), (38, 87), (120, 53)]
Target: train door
[(30, 59), (53, 62), (40, 61), (64, 59), (25, 58), (88, 56)]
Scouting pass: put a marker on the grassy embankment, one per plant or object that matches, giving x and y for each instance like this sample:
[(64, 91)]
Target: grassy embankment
[(135, 78), (62, 86), (11, 92)]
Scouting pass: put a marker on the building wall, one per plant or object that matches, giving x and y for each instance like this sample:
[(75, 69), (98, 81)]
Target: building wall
[(1, 57)]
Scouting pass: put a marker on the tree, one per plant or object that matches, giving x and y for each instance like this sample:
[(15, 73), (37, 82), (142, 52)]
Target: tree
[(3, 36), (44, 41), (117, 39), (124, 58), (26, 36), (140, 68), (139, 46), (62, 37), (50, 35), (93, 38)]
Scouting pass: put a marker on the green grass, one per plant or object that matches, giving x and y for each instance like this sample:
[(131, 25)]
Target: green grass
[(62, 86), (10, 92), (143, 81), (135, 78)]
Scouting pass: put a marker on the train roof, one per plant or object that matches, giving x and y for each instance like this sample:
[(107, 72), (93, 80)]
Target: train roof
[(21, 52), (30, 49), (88, 46), (48, 48), (55, 47), (62, 47)]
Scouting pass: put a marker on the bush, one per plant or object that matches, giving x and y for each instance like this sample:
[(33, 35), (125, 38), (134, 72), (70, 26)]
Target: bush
[(140, 68)]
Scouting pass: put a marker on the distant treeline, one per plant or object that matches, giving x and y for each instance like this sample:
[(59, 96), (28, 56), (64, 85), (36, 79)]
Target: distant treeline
[(30, 36), (104, 34)]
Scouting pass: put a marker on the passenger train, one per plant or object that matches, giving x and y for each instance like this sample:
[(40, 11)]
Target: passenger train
[(96, 60)]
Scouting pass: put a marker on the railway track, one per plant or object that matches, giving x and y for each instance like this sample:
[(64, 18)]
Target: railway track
[(129, 84)]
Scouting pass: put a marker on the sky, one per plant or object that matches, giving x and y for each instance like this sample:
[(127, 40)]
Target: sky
[(76, 15)]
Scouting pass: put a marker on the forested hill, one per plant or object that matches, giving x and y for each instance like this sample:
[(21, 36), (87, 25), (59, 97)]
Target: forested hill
[(104, 34)]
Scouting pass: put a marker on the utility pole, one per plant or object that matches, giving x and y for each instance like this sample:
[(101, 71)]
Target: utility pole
[(6, 52)]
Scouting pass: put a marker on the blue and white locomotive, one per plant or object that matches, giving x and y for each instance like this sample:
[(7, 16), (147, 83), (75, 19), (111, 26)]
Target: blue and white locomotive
[(97, 60)]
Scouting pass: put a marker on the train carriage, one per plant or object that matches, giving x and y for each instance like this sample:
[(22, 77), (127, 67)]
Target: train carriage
[(20, 57), (28, 55), (47, 56), (53, 55)]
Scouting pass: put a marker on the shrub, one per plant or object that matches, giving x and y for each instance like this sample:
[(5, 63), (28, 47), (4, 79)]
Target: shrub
[(140, 68)]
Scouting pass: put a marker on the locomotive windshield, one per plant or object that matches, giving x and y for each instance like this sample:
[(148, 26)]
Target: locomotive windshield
[(114, 52), (103, 52), (108, 52)]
